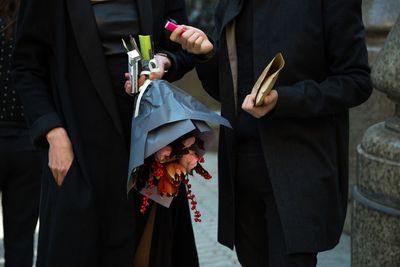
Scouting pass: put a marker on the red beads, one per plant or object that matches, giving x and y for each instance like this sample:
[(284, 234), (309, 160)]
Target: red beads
[(201, 171), (191, 197), (144, 205)]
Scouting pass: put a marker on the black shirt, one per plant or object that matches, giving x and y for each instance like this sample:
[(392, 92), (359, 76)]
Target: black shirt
[(116, 19)]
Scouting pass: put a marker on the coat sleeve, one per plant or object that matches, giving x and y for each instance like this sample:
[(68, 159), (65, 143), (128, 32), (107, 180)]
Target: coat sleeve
[(208, 73), (348, 83), (208, 69), (182, 62), (31, 71)]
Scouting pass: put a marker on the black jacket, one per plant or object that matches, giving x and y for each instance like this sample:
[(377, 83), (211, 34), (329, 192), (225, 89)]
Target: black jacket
[(305, 139), (62, 77)]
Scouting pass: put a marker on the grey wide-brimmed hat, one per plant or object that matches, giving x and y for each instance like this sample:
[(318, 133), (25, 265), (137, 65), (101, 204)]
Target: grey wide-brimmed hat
[(165, 114)]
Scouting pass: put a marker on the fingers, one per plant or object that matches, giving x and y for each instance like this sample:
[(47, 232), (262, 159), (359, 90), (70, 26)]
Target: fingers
[(141, 80), (248, 102), (60, 172), (191, 35), (192, 40), (271, 98), (59, 163), (156, 75), (258, 112), (128, 84), (176, 34), (198, 43), (59, 168), (128, 87), (206, 47), (60, 153)]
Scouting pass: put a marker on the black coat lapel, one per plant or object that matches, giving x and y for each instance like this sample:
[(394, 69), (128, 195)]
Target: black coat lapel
[(227, 10), (89, 45), (145, 8)]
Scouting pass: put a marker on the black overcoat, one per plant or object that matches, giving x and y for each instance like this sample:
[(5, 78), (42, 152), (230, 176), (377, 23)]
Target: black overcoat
[(61, 75), (305, 139)]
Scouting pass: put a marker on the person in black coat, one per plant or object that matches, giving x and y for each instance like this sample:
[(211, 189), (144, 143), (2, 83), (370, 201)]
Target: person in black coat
[(20, 163), (69, 66), (283, 170)]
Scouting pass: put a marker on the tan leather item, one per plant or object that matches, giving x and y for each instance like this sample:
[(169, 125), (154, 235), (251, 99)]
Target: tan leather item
[(267, 79)]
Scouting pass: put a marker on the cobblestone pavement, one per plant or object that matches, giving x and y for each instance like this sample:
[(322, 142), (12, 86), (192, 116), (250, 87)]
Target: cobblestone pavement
[(211, 253)]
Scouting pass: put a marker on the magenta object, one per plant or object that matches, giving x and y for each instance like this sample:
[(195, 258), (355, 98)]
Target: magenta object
[(171, 26)]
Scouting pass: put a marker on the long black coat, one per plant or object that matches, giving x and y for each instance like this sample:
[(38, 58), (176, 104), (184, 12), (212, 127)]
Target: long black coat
[(305, 139), (61, 74)]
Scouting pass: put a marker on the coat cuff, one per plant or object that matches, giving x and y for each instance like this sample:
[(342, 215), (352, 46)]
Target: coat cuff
[(173, 72), (42, 126)]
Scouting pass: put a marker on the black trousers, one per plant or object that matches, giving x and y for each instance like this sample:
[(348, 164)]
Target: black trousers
[(259, 238), (20, 172)]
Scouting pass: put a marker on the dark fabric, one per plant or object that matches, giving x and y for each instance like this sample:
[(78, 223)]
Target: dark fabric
[(117, 65), (305, 139), (259, 238), (62, 76), (11, 112), (14, 130), (116, 19), (20, 172), (173, 239), (246, 128)]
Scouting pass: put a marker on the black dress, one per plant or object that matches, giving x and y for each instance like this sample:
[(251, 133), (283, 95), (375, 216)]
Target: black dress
[(172, 243)]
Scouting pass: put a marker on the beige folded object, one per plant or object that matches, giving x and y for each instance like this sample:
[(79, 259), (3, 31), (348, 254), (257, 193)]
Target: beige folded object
[(267, 79)]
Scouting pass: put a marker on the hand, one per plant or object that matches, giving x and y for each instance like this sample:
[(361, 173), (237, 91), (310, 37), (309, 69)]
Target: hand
[(128, 83), (163, 63), (192, 40), (258, 112), (60, 154)]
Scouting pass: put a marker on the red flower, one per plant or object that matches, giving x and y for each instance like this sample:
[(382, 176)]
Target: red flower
[(169, 183)]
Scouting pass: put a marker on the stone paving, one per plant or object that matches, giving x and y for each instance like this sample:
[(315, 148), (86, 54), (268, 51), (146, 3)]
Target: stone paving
[(211, 253)]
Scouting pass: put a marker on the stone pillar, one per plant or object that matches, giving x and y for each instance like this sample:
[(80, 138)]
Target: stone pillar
[(376, 196), (379, 17)]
